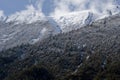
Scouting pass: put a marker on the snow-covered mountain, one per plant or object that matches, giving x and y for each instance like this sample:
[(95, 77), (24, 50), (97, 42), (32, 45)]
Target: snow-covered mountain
[(67, 21), (31, 25), (12, 34)]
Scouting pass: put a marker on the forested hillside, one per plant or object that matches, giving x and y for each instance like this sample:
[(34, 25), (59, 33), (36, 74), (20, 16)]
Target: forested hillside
[(89, 53)]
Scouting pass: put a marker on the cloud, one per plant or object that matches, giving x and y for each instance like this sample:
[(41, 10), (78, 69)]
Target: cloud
[(2, 13), (62, 7), (65, 6), (37, 4), (30, 14), (2, 16)]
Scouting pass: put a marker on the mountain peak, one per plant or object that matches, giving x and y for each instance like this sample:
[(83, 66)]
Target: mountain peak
[(37, 10)]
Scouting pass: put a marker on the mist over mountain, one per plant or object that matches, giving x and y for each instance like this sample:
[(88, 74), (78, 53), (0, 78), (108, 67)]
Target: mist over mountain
[(60, 7)]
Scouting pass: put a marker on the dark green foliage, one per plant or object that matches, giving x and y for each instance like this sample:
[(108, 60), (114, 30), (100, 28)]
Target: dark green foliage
[(3, 62), (87, 72), (33, 73), (70, 62)]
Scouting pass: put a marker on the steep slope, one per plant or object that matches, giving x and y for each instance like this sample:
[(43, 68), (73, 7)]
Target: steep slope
[(15, 31), (12, 34), (92, 51)]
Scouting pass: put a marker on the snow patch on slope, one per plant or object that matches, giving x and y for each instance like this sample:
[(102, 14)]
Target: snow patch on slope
[(74, 20), (41, 35), (48, 31)]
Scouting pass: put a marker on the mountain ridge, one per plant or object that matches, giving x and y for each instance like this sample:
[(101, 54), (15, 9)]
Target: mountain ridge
[(25, 24), (91, 51)]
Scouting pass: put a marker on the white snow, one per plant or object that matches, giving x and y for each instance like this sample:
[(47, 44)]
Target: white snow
[(84, 45), (75, 20), (7, 37), (87, 57), (42, 34)]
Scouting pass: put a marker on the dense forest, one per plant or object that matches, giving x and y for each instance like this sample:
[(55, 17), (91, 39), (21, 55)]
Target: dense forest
[(89, 53)]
